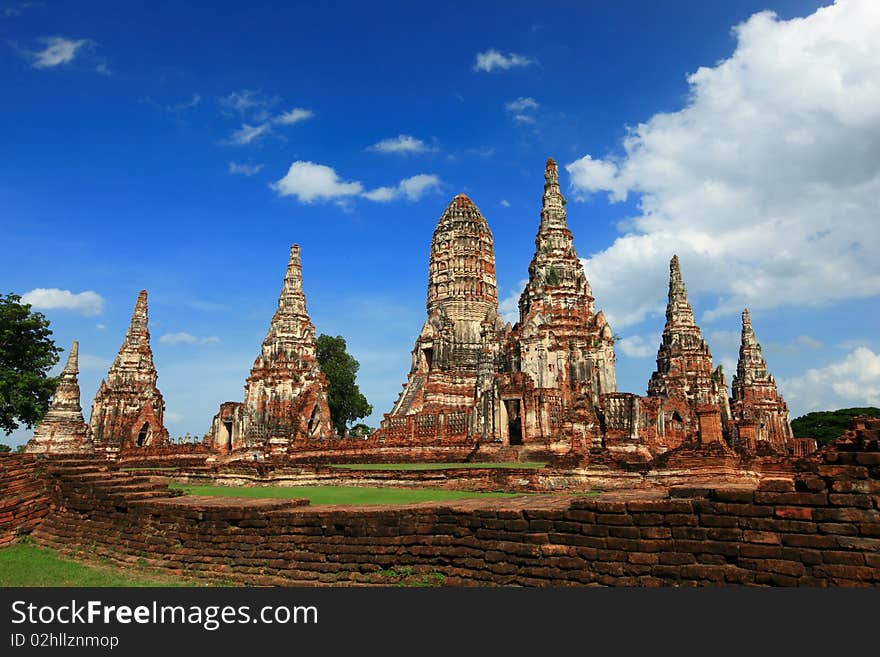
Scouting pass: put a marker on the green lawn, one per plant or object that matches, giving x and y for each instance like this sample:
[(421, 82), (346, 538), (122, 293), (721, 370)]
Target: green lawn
[(25, 564), (340, 494), (433, 466)]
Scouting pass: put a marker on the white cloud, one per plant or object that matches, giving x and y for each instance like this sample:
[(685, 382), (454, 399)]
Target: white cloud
[(58, 51), (492, 59), (853, 381), (244, 169), (187, 338), (508, 307), (86, 303), (523, 118), (309, 182), (399, 144), (505, 203), (416, 186), (246, 100), (521, 104), (772, 168), (412, 188), (295, 115), (635, 346), (249, 133)]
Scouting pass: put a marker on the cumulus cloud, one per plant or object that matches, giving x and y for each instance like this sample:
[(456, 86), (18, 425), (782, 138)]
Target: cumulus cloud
[(399, 144), (187, 338), (243, 169), (295, 115), (58, 51), (86, 303), (852, 381), (771, 168), (308, 182), (635, 346), (492, 59)]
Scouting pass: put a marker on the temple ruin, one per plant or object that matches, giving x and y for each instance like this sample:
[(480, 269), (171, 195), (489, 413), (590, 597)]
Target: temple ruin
[(544, 387), (548, 384), (128, 409), (63, 429), (286, 393)]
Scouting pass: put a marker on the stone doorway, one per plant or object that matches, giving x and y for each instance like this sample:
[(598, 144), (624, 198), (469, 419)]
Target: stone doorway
[(143, 434), (514, 422), (228, 425)]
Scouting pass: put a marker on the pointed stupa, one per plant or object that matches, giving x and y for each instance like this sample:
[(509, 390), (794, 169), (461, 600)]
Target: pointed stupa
[(755, 398), (562, 344), (286, 392), (128, 409), (684, 361), (63, 429), (556, 275)]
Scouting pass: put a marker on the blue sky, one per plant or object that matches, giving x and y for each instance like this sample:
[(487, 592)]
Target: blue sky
[(182, 149)]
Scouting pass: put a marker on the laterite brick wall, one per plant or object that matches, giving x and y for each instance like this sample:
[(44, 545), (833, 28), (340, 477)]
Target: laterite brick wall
[(24, 501)]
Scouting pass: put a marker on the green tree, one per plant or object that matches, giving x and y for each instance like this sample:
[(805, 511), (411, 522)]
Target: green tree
[(343, 396), (361, 430), (825, 426), (27, 353), (4, 449)]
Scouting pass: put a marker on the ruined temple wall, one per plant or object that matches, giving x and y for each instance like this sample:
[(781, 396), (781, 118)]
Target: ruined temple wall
[(24, 497), (820, 529)]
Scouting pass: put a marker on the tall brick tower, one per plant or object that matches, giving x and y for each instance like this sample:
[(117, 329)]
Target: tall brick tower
[(759, 411), (458, 349), (285, 397), (128, 409), (696, 393)]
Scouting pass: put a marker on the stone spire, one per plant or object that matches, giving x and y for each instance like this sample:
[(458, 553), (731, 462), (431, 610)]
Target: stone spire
[(757, 405), (679, 314), (286, 392), (556, 276), (63, 429), (128, 409), (684, 362)]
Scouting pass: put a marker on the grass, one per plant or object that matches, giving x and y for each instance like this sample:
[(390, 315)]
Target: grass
[(433, 466), (25, 564), (320, 495)]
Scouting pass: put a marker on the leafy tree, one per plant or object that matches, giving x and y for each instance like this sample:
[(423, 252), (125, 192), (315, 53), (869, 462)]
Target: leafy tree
[(20, 449), (4, 448), (361, 430), (343, 396), (826, 426), (27, 353)]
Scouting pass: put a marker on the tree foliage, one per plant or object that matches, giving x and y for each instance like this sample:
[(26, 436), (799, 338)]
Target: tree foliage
[(826, 426), (5, 449), (27, 353), (343, 396)]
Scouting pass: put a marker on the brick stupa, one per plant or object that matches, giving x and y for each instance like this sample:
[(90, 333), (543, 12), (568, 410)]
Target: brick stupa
[(128, 409), (63, 429), (286, 392), (695, 392), (759, 411)]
